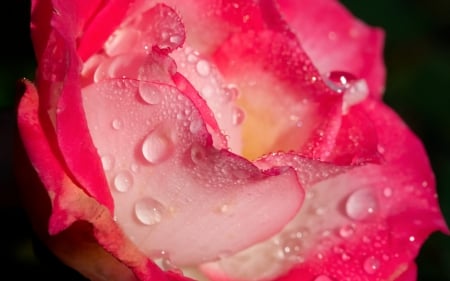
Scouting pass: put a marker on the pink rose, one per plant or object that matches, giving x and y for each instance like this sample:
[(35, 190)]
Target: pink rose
[(226, 140)]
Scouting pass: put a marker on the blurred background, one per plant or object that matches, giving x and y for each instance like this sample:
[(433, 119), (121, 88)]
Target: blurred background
[(417, 56)]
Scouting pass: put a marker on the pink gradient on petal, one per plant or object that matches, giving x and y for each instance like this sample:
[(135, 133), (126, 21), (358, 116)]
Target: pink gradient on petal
[(337, 40), (72, 205), (198, 193)]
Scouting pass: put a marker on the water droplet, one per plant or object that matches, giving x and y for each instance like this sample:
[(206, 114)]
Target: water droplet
[(157, 147), (224, 208), (175, 39), (371, 265), (230, 93), (346, 231), (203, 68), (195, 126), (151, 94), (345, 257), (149, 211), (387, 192), (198, 154), (107, 162), (412, 238), (116, 124), (134, 167), (319, 211), (366, 239), (339, 81), (192, 57), (362, 204), (123, 181), (237, 116), (322, 278)]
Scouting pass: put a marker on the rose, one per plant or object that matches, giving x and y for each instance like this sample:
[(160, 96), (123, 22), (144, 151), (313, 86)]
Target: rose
[(232, 140)]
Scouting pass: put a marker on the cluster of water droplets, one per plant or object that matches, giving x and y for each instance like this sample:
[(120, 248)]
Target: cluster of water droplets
[(220, 97), (156, 147), (360, 207)]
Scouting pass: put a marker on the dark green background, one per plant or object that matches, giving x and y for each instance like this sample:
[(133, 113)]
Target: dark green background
[(417, 55)]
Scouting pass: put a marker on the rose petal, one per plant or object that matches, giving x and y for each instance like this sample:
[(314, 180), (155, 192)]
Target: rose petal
[(288, 105), (337, 40), (369, 221), (217, 99), (184, 85), (176, 196), (72, 239), (60, 103)]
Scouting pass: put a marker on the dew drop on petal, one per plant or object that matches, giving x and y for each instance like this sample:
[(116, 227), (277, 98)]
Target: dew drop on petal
[(198, 154), (203, 68), (123, 181), (195, 126), (345, 257), (237, 116), (362, 204), (339, 81), (134, 167), (346, 231), (157, 147), (192, 57), (387, 192), (107, 162), (149, 211), (371, 265), (230, 93), (150, 94), (116, 124)]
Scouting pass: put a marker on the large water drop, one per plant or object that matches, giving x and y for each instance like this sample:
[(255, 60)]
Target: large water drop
[(149, 211), (339, 81), (151, 94), (157, 147), (123, 181), (362, 204)]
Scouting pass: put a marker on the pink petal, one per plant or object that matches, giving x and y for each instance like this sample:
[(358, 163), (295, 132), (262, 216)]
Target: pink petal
[(60, 105), (215, 99), (107, 17), (288, 105), (337, 40), (367, 221), (184, 85), (176, 196), (71, 239)]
